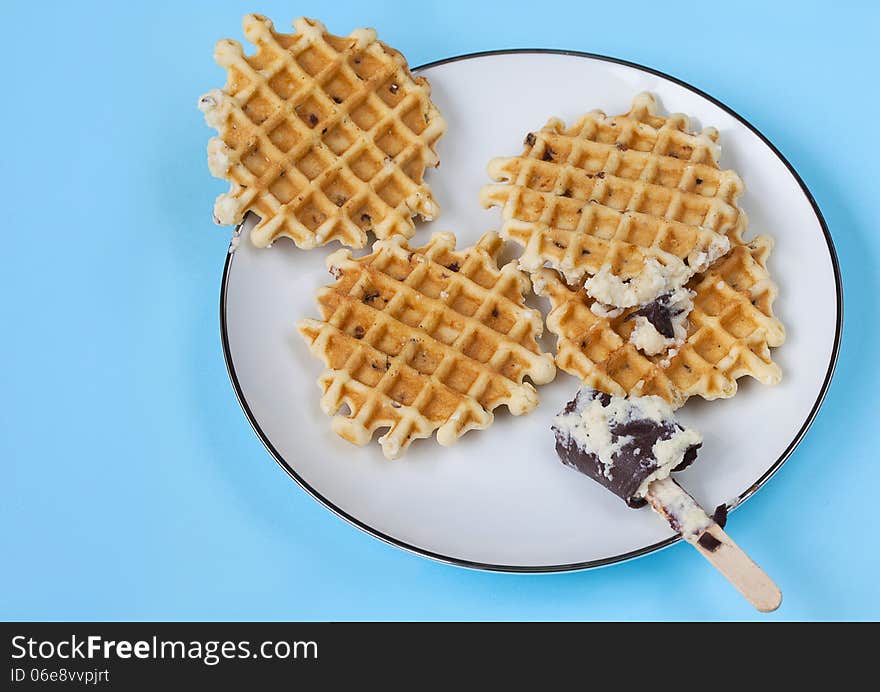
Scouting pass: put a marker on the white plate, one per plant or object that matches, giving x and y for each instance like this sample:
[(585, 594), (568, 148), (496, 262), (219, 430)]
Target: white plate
[(500, 499)]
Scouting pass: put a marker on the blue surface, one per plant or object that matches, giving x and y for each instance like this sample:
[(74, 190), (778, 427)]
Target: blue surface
[(133, 487)]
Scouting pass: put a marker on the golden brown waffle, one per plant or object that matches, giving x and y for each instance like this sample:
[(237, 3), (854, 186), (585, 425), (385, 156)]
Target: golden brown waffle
[(614, 192), (323, 137), (730, 331), (425, 339)]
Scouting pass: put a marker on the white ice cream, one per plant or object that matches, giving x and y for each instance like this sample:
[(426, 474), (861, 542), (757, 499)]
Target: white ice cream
[(680, 510), (655, 278), (649, 340), (601, 310)]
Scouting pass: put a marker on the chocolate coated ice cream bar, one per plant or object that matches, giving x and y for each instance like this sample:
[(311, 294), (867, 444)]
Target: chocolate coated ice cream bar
[(623, 443), (631, 446)]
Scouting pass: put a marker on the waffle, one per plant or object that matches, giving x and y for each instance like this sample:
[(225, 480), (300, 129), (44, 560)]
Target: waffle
[(730, 332), (323, 137), (425, 339), (611, 194)]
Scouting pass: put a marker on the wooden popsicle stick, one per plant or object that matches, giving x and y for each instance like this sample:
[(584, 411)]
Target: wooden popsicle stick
[(674, 504)]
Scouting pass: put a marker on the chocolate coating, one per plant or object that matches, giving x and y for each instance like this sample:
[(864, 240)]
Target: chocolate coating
[(659, 313), (709, 542), (719, 516)]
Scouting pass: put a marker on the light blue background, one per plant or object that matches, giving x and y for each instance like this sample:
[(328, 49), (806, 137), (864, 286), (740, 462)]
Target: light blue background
[(134, 488)]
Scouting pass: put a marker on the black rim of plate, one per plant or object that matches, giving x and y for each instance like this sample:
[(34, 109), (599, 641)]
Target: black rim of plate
[(230, 366)]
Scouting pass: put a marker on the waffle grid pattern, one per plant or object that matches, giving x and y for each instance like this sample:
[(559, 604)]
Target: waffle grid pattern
[(423, 340), (323, 137), (731, 330), (616, 191)]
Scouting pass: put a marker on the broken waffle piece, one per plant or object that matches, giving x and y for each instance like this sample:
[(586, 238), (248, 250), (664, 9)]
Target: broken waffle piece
[(323, 137), (631, 205), (729, 334), (423, 339)]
